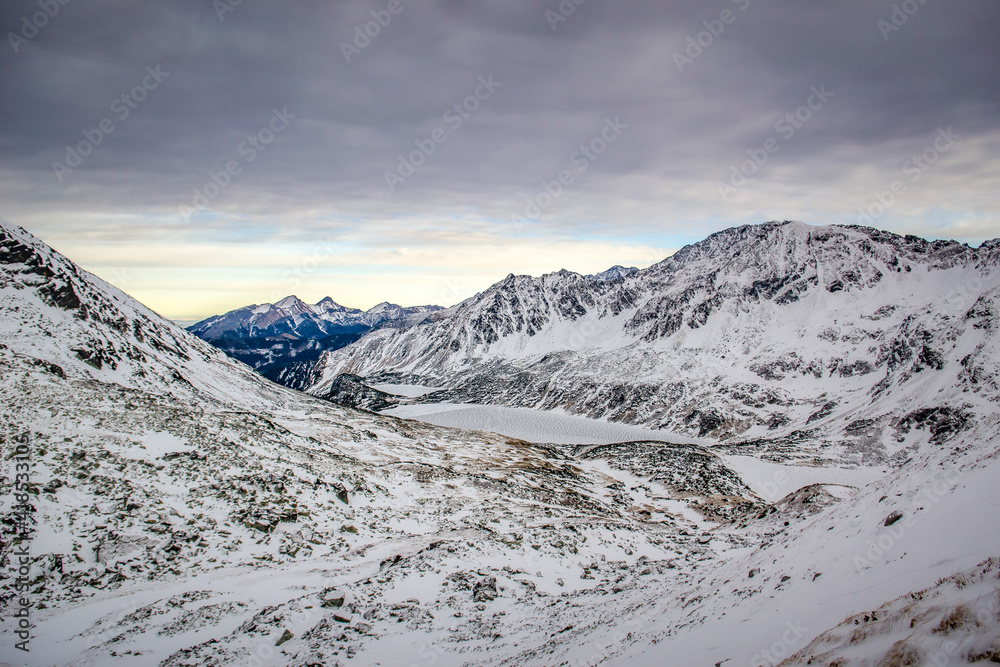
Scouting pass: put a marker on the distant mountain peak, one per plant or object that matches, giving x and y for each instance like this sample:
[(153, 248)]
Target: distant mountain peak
[(289, 302), (615, 272), (293, 318), (328, 304)]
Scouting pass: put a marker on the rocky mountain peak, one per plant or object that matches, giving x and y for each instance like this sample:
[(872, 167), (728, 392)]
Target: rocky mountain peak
[(740, 334)]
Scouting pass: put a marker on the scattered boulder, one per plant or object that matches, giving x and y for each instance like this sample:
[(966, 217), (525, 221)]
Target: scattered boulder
[(341, 492), (389, 562), (262, 524), (332, 599), (53, 485), (285, 636), (893, 518), (194, 456), (485, 590)]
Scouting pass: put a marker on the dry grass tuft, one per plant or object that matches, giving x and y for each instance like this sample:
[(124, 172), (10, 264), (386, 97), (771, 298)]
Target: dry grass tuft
[(992, 654), (959, 617), (901, 655)]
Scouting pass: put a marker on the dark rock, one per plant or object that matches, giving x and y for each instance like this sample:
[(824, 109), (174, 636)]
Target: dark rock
[(942, 422), (61, 296), (824, 411), (389, 562), (262, 524), (893, 518), (351, 391), (707, 420), (51, 368), (332, 599), (485, 590), (859, 367), (95, 357), (930, 358), (777, 420), (53, 486), (341, 491)]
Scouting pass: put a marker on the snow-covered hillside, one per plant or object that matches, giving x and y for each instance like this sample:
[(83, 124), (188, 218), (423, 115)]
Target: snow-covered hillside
[(182, 510), (845, 337)]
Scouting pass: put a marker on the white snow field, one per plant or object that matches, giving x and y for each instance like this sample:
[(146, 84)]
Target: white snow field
[(774, 481)]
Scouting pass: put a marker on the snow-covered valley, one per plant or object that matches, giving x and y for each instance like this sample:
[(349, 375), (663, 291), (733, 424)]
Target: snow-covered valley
[(181, 510)]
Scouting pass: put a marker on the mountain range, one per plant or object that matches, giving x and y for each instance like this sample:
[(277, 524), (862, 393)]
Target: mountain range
[(839, 337), (179, 509), (277, 339), (291, 317)]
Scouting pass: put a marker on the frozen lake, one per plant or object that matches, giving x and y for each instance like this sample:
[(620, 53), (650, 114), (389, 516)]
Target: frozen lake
[(771, 481), (408, 390), (541, 426)]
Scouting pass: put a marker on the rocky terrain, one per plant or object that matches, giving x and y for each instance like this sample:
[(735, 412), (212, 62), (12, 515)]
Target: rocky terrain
[(182, 510), (840, 339)]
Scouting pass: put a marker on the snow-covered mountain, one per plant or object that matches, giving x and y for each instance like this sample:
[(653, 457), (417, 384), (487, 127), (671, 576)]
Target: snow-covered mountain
[(616, 272), (179, 509), (281, 341), (780, 332), (291, 317)]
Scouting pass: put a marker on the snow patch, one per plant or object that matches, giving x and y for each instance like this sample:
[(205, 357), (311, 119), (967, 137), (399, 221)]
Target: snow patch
[(774, 481)]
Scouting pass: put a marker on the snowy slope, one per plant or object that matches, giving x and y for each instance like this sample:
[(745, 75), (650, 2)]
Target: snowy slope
[(778, 332), (188, 512), (178, 499)]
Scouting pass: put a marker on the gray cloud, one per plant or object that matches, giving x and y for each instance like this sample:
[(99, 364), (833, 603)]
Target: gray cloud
[(607, 60)]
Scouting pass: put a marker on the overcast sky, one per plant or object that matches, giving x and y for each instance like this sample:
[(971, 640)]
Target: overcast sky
[(412, 151)]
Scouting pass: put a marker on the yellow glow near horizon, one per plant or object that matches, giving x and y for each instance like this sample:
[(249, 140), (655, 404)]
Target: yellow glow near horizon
[(189, 282)]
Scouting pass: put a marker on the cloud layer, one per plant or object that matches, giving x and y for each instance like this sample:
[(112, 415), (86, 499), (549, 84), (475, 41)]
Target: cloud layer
[(461, 140)]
